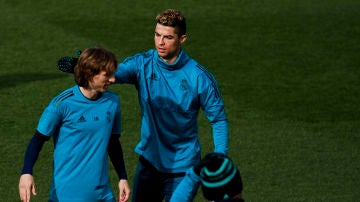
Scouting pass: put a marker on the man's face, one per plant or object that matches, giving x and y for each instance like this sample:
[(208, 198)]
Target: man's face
[(101, 81), (167, 42)]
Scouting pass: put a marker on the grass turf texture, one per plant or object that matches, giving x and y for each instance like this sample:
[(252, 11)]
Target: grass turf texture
[(288, 71)]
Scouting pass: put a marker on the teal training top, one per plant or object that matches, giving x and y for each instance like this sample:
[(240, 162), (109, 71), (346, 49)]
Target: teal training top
[(81, 129), (170, 98), (187, 189)]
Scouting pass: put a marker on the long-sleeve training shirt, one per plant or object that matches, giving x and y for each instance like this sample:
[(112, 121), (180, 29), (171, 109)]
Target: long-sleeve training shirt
[(170, 97)]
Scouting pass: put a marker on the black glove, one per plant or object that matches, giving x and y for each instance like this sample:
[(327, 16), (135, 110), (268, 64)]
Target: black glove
[(67, 63)]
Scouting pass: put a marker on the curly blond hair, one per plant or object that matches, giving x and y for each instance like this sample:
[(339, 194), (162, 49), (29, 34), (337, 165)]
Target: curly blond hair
[(173, 18)]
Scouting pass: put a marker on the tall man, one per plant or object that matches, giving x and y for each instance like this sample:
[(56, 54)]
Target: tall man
[(172, 88)]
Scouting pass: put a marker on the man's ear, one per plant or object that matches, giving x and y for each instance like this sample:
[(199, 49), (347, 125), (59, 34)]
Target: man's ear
[(183, 38)]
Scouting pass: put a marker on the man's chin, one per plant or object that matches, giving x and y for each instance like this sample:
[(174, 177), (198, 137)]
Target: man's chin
[(102, 90), (162, 54)]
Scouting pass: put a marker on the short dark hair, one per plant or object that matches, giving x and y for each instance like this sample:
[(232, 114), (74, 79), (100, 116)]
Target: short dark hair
[(173, 18), (91, 62)]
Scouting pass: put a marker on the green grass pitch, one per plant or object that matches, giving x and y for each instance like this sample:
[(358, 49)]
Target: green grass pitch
[(288, 71)]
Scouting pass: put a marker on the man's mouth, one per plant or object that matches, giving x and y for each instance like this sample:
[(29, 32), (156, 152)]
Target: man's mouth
[(161, 50)]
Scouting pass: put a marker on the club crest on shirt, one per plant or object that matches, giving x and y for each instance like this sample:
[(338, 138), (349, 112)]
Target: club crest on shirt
[(184, 84), (108, 116)]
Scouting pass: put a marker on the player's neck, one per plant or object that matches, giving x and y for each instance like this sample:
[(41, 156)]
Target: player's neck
[(89, 93), (170, 59)]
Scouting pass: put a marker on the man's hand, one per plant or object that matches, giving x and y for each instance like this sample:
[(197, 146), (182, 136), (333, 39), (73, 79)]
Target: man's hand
[(26, 187), (124, 190)]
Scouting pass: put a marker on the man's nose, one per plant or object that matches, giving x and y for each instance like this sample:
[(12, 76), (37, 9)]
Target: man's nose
[(161, 40), (112, 79)]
